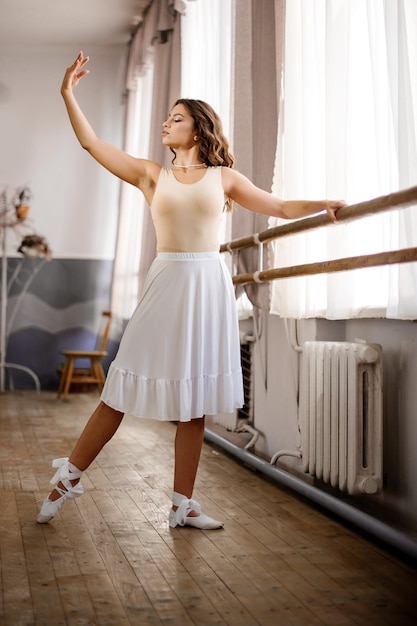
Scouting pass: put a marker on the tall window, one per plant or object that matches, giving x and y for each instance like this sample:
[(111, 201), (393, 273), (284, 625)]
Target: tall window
[(349, 130)]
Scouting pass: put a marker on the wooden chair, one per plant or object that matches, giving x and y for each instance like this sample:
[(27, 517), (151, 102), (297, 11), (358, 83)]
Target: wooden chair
[(93, 375)]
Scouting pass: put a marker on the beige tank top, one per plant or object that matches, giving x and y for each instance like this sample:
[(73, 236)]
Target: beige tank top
[(187, 216)]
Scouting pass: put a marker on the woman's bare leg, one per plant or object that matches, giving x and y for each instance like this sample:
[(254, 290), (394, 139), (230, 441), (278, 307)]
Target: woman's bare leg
[(188, 443), (99, 429)]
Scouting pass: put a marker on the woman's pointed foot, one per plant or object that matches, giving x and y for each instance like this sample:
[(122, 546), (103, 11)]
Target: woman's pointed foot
[(63, 480)]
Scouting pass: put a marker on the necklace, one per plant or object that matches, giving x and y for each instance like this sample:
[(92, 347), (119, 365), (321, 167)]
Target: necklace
[(187, 166)]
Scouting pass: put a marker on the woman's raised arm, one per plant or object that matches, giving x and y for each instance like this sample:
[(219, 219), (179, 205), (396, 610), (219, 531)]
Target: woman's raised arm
[(138, 172)]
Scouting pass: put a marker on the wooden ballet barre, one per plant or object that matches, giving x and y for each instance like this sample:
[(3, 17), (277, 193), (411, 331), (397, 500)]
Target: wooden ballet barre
[(398, 199), (406, 255)]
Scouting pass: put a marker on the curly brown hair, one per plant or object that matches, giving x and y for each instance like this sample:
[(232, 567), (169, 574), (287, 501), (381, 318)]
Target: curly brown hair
[(213, 145)]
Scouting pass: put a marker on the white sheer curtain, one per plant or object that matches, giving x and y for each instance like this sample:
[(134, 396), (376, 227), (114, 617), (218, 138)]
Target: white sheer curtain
[(348, 130), (132, 204), (206, 51)]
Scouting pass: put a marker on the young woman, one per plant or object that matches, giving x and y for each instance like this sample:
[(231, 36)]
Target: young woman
[(179, 358)]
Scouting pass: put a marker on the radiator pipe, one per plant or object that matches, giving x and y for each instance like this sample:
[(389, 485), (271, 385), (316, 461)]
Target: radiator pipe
[(391, 536)]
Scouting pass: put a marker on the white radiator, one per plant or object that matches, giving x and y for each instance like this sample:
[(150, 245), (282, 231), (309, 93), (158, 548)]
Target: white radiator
[(341, 414)]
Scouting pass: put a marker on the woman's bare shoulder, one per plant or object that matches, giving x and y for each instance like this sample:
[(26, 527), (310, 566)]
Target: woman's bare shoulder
[(232, 179)]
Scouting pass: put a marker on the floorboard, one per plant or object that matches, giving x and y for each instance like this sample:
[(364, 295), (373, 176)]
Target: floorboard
[(109, 557)]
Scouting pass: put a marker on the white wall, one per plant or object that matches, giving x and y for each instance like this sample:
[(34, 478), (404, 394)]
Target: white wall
[(75, 201)]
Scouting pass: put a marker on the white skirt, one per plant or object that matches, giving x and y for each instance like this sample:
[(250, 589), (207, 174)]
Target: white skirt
[(179, 357)]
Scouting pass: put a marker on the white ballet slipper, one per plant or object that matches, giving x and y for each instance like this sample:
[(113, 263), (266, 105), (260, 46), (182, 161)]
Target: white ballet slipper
[(65, 473), (181, 516)]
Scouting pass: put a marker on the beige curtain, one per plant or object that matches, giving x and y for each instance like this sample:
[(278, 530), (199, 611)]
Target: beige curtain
[(259, 50)]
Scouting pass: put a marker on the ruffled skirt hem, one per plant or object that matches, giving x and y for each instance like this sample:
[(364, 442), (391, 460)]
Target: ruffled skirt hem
[(172, 400)]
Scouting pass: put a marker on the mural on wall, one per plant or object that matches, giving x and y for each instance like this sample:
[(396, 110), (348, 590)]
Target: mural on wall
[(14, 211), (46, 304), (61, 310)]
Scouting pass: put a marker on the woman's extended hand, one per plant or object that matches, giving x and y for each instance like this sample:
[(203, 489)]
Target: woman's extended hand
[(332, 206), (74, 73)]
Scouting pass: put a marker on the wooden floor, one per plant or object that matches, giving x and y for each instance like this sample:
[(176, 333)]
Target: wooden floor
[(109, 557)]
